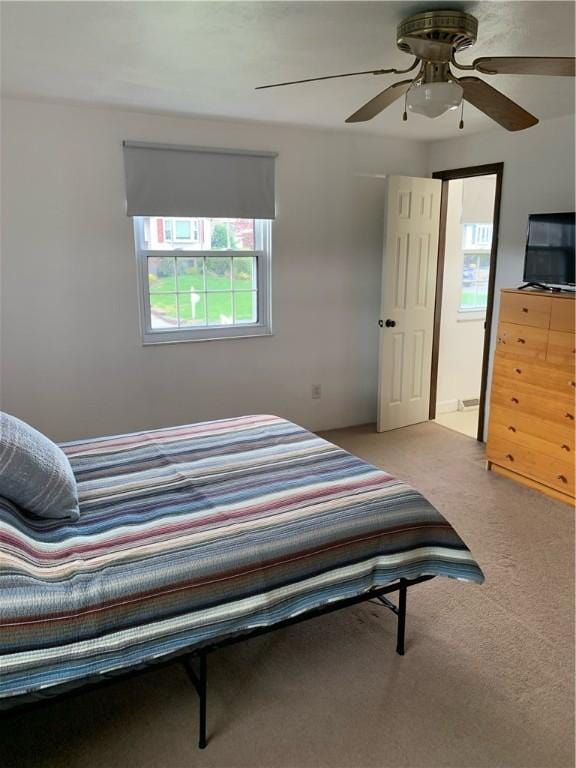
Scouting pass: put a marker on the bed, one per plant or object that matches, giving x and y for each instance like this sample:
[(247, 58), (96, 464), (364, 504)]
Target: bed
[(197, 536)]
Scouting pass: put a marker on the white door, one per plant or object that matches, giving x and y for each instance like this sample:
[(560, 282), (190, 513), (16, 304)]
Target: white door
[(408, 295)]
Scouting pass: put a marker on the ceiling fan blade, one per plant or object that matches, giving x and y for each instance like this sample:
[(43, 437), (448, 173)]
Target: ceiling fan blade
[(497, 106), (380, 102), (327, 77), (560, 66)]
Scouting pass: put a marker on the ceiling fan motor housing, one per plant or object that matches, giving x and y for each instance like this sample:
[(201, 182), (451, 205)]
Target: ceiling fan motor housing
[(437, 35)]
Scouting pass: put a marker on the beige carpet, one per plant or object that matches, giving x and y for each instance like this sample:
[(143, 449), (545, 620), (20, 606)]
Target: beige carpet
[(487, 679)]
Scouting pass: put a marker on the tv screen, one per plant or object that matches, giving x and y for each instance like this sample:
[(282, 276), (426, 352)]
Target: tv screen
[(550, 256)]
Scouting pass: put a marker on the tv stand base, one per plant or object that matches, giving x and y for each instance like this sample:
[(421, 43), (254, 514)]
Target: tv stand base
[(551, 288), (535, 285)]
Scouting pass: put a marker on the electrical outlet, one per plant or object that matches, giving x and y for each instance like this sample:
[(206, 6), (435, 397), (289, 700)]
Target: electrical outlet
[(316, 391)]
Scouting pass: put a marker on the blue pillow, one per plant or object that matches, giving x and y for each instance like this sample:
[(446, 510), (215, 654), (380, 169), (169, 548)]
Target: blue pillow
[(35, 473)]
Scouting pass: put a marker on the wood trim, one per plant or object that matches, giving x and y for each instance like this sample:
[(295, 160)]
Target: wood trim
[(492, 169), (438, 300), (490, 303), (489, 169)]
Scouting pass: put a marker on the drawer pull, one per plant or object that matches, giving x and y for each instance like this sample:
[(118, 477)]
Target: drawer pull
[(521, 341), (565, 447), (524, 309), (515, 400), (573, 383), (569, 416), (518, 370), (509, 456), (563, 478), (512, 429)]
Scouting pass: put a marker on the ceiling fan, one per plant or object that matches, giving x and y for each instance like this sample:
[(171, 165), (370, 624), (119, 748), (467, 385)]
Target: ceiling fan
[(433, 38)]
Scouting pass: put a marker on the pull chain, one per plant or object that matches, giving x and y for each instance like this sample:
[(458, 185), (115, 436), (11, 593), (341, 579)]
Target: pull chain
[(405, 114), (461, 126)]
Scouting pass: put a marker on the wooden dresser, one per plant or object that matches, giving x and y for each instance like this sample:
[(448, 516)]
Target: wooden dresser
[(532, 406)]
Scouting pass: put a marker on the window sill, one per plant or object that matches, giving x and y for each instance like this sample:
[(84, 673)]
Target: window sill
[(152, 339), (471, 315)]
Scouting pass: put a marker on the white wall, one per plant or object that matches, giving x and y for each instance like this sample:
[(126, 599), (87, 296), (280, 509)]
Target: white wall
[(457, 350), (461, 333), (538, 178), (72, 362), (71, 359)]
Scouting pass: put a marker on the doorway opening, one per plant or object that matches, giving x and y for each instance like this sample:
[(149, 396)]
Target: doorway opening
[(468, 238)]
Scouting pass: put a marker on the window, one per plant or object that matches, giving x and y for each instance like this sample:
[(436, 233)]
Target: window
[(179, 230), (476, 247), (203, 278), (477, 236), (474, 294), (204, 265)]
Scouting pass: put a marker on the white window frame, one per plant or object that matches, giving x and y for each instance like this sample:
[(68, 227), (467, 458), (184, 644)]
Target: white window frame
[(263, 254)]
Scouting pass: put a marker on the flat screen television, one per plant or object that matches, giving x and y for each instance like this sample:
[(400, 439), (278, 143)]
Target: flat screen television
[(550, 257)]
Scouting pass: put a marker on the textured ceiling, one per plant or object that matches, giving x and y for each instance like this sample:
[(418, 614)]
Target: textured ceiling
[(204, 58)]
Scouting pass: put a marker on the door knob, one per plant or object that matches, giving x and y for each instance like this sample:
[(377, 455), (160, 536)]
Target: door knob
[(390, 323)]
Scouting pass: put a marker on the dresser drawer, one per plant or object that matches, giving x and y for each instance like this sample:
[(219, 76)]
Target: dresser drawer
[(525, 309), (545, 469), (563, 315), (533, 433), (561, 349), (508, 369), (535, 401), (522, 340)]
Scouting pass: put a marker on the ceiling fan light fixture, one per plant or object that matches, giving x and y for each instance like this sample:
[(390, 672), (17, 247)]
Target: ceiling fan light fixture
[(432, 38), (434, 99)]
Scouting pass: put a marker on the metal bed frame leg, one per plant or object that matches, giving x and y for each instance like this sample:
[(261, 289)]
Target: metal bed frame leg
[(199, 679), (199, 682), (401, 617), (400, 611), (202, 693)]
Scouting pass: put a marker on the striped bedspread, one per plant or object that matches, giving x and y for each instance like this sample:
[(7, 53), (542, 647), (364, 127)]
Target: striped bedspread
[(192, 534)]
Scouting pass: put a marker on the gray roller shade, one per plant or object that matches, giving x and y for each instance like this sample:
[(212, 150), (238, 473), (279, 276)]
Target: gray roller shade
[(165, 180)]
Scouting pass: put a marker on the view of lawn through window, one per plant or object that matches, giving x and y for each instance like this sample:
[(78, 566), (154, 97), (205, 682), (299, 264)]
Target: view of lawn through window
[(476, 246), (216, 286), (202, 290), (475, 281)]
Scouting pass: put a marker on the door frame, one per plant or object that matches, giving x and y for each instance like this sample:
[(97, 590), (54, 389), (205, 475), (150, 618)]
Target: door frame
[(491, 169)]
